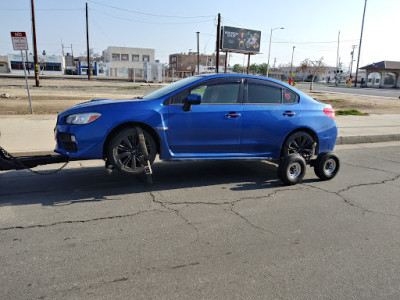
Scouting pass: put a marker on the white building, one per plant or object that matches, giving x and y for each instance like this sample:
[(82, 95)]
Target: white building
[(48, 64), (123, 61)]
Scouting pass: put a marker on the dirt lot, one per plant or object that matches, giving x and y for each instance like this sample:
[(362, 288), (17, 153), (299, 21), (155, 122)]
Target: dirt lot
[(55, 95)]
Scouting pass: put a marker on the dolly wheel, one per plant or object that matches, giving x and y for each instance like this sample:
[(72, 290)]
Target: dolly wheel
[(292, 169), (327, 165)]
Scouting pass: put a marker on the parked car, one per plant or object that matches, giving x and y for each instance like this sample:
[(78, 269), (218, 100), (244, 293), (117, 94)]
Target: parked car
[(219, 116)]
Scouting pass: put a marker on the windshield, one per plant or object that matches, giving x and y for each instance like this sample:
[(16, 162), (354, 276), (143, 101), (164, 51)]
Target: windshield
[(172, 87)]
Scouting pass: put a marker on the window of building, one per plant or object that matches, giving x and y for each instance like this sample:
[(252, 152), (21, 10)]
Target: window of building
[(173, 59), (135, 57), (115, 57), (146, 57), (124, 57)]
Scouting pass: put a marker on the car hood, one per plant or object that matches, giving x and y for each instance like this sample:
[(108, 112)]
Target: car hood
[(95, 104)]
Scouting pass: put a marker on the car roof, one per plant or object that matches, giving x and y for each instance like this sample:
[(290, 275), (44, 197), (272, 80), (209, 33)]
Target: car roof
[(221, 75)]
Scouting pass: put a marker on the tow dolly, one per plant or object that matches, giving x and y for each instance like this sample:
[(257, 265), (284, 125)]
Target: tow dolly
[(10, 162)]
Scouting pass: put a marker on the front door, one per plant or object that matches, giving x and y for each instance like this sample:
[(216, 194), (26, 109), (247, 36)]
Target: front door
[(211, 129)]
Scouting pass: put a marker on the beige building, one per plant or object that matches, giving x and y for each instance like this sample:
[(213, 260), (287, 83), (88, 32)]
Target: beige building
[(124, 61), (4, 64)]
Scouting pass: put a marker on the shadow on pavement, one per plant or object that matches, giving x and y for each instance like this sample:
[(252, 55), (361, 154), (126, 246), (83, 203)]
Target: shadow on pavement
[(94, 184)]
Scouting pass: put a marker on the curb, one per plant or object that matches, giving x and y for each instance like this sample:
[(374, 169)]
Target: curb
[(362, 139)]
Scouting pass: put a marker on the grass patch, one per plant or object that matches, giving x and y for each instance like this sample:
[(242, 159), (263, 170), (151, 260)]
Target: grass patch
[(332, 100), (350, 112), (129, 88)]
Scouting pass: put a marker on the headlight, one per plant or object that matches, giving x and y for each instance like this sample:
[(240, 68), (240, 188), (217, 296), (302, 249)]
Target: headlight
[(79, 119)]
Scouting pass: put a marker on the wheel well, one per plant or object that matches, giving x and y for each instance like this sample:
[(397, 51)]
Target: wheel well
[(307, 130), (144, 126)]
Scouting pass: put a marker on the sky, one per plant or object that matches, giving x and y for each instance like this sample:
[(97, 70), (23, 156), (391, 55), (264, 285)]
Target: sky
[(311, 26)]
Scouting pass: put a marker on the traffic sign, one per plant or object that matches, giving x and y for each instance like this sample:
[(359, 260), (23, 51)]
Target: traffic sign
[(19, 41)]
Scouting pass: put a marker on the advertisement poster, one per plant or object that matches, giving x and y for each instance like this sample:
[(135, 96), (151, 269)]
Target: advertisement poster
[(241, 40)]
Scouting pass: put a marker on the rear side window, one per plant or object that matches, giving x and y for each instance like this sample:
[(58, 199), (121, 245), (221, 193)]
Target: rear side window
[(263, 94), (289, 97)]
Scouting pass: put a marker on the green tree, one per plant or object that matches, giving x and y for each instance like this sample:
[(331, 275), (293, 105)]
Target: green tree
[(237, 68), (254, 69), (262, 69)]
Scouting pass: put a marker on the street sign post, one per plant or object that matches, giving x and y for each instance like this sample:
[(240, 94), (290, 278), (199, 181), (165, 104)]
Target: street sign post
[(20, 42)]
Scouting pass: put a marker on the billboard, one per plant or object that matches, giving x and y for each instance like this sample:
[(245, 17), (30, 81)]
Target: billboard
[(240, 40)]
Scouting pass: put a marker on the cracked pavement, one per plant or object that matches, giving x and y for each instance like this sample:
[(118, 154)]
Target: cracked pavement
[(210, 229)]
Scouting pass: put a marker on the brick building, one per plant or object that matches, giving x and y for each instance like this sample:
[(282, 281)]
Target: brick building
[(185, 64)]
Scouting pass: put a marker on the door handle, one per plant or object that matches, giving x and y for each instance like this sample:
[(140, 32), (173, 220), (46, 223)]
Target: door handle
[(289, 113), (232, 115)]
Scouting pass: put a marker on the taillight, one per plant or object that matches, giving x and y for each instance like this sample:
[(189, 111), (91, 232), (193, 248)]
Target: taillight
[(330, 112)]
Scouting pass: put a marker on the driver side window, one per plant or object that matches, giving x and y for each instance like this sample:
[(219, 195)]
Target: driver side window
[(217, 93), (223, 93)]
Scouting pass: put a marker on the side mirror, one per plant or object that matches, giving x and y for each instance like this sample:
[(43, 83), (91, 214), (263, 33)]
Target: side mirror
[(192, 99)]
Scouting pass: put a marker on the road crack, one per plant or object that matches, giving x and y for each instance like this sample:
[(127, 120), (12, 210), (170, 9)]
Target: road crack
[(348, 202), (81, 221)]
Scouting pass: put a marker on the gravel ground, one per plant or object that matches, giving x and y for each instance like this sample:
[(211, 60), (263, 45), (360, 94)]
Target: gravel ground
[(55, 95)]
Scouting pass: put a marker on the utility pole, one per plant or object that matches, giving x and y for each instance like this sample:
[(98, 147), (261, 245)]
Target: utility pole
[(87, 42), (198, 53), (35, 56), (359, 47), (218, 42)]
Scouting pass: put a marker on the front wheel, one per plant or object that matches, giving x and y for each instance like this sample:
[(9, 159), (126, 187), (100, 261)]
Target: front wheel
[(326, 165), (124, 150), (291, 169)]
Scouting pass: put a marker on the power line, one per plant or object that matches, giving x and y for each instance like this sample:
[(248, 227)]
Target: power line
[(148, 14), (39, 9), (143, 22), (327, 42)]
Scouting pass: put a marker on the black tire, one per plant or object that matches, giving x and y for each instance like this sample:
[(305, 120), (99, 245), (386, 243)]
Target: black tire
[(124, 149), (299, 143), (291, 169), (327, 165)]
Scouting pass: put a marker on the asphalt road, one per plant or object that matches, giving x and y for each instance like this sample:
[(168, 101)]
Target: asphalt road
[(204, 230), (386, 92)]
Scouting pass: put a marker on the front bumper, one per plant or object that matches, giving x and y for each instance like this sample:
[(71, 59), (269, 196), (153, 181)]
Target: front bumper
[(80, 141)]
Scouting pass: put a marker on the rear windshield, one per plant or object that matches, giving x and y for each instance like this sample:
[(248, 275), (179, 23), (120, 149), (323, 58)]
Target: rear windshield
[(172, 87)]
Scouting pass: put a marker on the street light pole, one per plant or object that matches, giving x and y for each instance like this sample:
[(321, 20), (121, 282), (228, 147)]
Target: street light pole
[(291, 64), (269, 51)]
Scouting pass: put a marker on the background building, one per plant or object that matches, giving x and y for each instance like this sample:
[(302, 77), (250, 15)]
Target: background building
[(123, 60), (4, 64), (48, 64), (185, 64)]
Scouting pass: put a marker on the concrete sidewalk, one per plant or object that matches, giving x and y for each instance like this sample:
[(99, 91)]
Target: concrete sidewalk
[(34, 134)]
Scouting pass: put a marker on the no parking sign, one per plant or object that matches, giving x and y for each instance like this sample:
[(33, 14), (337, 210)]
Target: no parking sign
[(19, 40)]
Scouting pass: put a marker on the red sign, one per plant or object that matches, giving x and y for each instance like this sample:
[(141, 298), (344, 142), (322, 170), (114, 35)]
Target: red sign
[(19, 41)]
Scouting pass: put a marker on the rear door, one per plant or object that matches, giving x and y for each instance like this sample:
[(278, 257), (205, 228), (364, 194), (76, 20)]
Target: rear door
[(270, 112)]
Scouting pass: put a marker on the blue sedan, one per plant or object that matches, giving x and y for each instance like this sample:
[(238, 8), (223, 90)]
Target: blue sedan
[(219, 116)]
